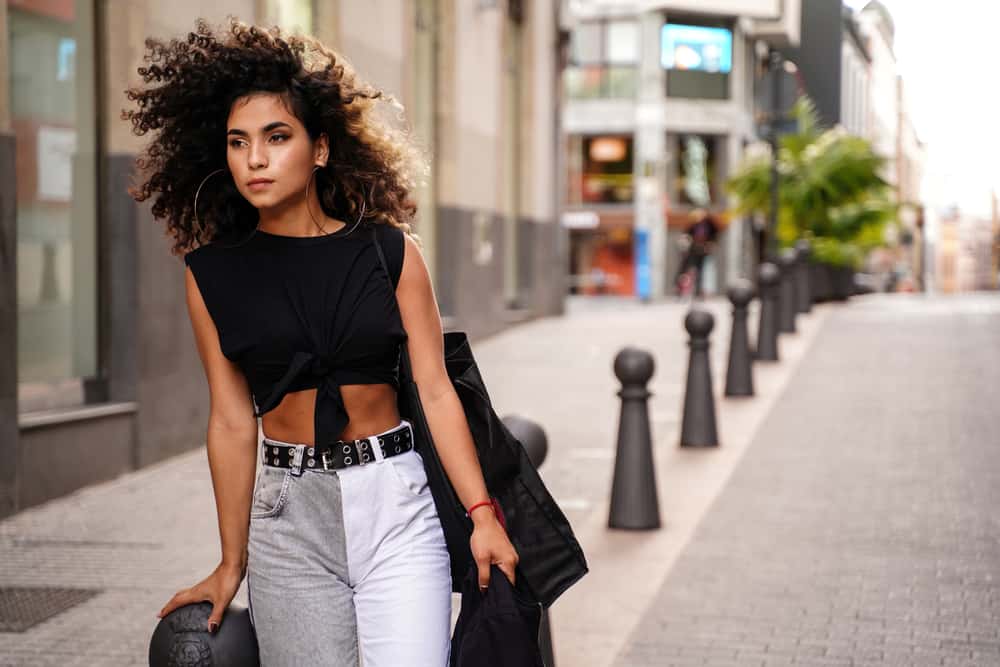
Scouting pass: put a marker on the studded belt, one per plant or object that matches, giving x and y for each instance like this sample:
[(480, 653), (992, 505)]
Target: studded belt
[(337, 455)]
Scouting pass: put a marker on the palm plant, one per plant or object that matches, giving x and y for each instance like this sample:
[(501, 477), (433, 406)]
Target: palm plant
[(830, 189)]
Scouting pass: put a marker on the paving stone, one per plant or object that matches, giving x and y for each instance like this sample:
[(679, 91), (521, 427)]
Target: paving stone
[(860, 524)]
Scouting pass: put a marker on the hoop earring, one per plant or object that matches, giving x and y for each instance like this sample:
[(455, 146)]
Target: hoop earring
[(360, 217), (318, 226), (198, 222), (323, 229), (197, 192)]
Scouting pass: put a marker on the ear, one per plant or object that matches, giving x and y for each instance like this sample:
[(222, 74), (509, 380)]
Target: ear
[(321, 150)]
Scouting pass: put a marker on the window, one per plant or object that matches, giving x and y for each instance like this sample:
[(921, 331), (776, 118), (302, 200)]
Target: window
[(696, 183), (604, 60), (600, 170), (698, 59), (53, 114)]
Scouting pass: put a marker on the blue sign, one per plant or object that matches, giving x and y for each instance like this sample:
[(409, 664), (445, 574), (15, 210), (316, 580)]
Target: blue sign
[(643, 283), (693, 47)]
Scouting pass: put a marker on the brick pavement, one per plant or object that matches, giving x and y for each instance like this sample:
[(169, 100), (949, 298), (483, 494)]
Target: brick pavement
[(141, 537), (860, 527)]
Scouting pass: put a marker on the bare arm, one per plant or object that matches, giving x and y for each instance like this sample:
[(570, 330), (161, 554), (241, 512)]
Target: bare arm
[(232, 433), (445, 415), (232, 458)]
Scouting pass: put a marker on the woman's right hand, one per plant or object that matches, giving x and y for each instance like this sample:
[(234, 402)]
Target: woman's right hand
[(219, 588)]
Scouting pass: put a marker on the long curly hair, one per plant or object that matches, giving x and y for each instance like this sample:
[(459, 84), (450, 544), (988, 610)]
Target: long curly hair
[(197, 79)]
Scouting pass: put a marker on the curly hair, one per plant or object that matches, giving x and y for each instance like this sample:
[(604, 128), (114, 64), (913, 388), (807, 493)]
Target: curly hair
[(197, 81)]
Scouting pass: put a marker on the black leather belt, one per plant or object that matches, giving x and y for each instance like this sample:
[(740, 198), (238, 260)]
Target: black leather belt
[(335, 456)]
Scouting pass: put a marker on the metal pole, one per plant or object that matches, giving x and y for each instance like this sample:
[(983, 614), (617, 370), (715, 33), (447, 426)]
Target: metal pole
[(774, 64)]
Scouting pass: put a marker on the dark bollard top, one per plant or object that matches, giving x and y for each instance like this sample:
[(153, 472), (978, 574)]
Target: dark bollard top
[(769, 274), (804, 248), (788, 257), (634, 366), (740, 292), (699, 323)]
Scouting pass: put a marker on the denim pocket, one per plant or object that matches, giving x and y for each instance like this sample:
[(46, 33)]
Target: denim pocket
[(408, 468), (271, 492)]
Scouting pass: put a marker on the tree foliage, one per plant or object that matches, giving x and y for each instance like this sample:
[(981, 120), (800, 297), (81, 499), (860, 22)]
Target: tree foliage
[(830, 189)]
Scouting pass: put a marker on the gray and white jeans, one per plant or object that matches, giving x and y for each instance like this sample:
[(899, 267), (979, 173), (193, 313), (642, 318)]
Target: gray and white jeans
[(349, 563)]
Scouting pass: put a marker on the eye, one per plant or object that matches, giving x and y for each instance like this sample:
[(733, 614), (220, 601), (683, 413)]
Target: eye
[(235, 143), (279, 136)]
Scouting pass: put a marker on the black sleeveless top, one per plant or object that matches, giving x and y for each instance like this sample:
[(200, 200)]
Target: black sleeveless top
[(306, 312)]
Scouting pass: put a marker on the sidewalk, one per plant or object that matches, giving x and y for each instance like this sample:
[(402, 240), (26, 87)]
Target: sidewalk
[(139, 538), (861, 527)]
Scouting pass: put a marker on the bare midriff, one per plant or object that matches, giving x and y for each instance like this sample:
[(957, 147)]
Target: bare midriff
[(372, 408)]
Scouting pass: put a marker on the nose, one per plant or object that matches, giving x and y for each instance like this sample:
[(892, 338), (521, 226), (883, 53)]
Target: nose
[(256, 157)]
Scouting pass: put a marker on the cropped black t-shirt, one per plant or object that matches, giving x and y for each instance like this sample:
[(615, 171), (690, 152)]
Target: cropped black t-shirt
[(306, 312)]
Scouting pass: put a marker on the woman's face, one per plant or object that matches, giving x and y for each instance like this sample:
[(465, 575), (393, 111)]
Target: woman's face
[(270, 154)]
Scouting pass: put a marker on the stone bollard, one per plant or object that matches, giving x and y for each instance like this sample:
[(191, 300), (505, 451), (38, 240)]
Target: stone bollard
[(536, 446), (804, 289), (698, 423), (739, 373), (634, 503), (787, 298), (767, 331), (182, 638)]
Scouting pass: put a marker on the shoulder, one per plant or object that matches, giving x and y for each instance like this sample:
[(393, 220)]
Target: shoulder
[(197, 258), (393, 241)]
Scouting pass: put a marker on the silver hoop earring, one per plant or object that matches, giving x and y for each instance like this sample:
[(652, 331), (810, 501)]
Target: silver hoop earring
[(319, 226), (323, 229), (198, 222), (360, 217), (197, 192)]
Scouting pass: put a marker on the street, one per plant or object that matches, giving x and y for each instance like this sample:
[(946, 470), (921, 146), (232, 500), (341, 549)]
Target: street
[(848, 517)]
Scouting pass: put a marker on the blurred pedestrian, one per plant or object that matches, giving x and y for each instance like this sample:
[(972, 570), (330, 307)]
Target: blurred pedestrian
[(697, 244), (277, 177)]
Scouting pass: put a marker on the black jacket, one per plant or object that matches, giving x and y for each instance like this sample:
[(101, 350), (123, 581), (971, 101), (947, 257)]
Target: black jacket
[(498, 628)]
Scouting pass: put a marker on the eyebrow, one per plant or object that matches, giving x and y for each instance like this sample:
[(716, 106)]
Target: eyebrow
[(266, 128)]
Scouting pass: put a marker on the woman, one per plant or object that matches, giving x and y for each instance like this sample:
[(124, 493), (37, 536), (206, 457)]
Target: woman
[(271, 161)]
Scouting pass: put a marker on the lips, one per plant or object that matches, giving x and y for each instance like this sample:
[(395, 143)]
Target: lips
[(259, 184)]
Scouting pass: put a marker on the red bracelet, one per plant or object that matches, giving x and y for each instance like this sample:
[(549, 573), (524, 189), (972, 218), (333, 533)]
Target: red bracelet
[(497, 512), (468, 512)]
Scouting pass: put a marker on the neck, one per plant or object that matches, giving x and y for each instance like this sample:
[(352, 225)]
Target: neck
[(294, 219)]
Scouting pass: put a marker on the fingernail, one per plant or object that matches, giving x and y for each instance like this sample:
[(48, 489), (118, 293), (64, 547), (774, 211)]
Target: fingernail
[(213, 626)]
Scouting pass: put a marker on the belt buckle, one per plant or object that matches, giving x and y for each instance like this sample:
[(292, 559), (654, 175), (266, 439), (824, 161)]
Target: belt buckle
[(327, 463), (296, 463)]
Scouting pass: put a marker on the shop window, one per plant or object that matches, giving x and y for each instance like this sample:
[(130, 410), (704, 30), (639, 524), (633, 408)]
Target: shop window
[(53, 116), (600, 170), (695, 174)]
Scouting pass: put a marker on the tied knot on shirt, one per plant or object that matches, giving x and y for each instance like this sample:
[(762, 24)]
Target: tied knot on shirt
[(319, 366)]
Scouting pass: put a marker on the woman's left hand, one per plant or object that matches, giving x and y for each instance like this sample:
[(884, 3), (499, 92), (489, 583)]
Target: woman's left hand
[(490, 544)]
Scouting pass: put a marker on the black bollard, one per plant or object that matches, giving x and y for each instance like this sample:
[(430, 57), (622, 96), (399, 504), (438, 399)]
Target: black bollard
[(531, 435), (536, 446), (739, 374), (804, 290), (634, 503), (767, 331), (787, 297), (181, 638), (698, 423)]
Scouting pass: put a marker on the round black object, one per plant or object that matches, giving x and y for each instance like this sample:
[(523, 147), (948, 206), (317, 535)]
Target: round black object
[(181, 639)]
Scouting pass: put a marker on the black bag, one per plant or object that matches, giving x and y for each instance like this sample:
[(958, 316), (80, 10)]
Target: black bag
[(498, 628), (550, 558)]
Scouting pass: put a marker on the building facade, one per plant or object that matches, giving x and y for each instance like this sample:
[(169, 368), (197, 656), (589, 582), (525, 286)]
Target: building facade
[(659, 107), (98, 370)]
